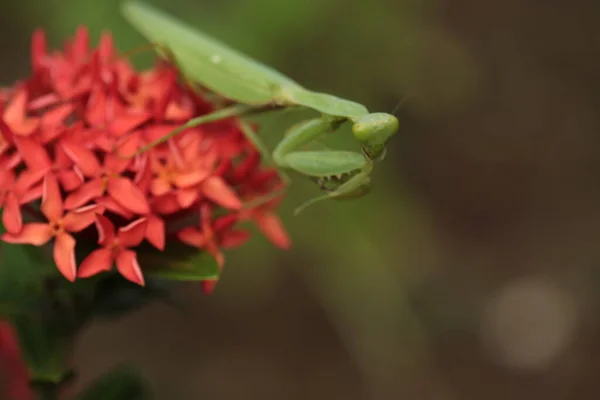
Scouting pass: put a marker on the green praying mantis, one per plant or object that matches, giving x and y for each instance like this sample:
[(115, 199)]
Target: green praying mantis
[(253, 88)]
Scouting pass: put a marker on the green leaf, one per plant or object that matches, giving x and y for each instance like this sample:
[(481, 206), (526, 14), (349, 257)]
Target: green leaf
[(200, 267), (122, 383), (20, 275), (45, 345), (179, 262)]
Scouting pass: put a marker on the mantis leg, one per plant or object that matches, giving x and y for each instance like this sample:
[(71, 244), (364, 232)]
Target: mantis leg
[(359, 184), (341, 174), (300, 135), (266, 154), (233, 111)]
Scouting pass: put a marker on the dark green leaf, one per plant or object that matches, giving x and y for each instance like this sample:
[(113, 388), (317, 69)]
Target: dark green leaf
[(178, 263), (200, 267)]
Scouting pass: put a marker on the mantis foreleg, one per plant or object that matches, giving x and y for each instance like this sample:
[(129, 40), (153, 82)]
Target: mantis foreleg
[(233, 111), (341, 174), (359, 184), (266, 154)]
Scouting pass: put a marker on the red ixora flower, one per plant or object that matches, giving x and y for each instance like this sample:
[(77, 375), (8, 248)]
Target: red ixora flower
[(63, 134)]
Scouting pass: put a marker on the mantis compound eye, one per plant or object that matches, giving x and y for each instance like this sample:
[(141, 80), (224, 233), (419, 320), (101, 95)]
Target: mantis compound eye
[(373, 131)]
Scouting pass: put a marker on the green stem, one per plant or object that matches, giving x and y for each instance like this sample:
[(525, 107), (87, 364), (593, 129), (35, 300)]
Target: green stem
[(45, 390)]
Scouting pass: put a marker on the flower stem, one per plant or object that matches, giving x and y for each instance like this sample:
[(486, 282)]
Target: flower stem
[(45, 390)]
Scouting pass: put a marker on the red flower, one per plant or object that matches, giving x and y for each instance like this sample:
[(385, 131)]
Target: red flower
[(115, 248), (17, 191), (102, 179), (269, 224), (212, 235), (63, 134), (58, 226), (14, 379)]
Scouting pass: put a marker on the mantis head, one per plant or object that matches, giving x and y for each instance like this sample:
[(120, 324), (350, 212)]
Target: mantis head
[(373, 131)]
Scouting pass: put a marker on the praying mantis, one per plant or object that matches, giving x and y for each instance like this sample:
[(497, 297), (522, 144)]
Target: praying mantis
[(254, 88)]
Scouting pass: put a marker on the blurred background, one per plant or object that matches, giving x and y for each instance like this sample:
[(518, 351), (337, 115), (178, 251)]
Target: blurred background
[(470, 272)]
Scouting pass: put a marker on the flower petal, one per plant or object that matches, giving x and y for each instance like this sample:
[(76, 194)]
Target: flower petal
[(192, 237), (64, 255), (272, 227), (246, 167), (98, 261), (52, 205), (160, 187), (116, 164), (15, 115), (69, 179), (79, 219), (187, 197), (191, 178), (10, 161), (27, 179), (35, 234), (38, 49), (111, 205), (236, 238), (7, 178), (43, 101), (129, 145), (33, 154), (54, 118), (128, 195), (11, 217), (155, 232), (208, 286), (127, 122), (86, 193), (106, 47), (143, 176), (128, 266), (133, 234), (49, 134), (218, 191), (106, 230), (81, 44), (166, 204), (221, 224), (174, 112), (32, 194), (82, 157), (224, 166)]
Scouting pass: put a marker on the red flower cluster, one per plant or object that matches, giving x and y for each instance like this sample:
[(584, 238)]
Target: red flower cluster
[(66, 133)]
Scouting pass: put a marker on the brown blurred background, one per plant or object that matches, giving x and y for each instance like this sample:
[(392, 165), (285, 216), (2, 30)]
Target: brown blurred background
[(471, 272)]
